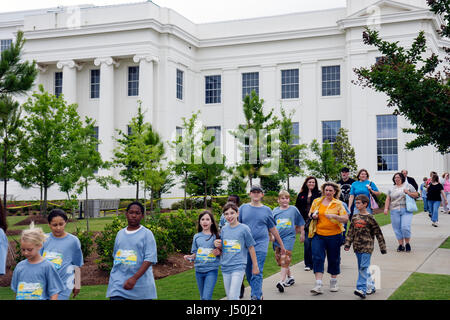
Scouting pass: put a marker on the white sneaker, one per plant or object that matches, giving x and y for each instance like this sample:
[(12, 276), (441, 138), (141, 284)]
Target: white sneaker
[(280, 286), (434, 224), (307, 269), (317, 289), (289, 281), (333, 286)]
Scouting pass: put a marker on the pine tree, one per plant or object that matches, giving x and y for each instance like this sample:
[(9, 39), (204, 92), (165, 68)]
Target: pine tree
[(343, 151)]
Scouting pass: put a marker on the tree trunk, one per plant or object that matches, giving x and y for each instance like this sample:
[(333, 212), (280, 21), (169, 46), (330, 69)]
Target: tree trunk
[(137, 190), (45, 201), (288, 187), (185, 186)]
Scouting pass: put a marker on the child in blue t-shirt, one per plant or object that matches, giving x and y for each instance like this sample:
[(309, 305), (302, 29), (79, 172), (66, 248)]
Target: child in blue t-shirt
[(35, 278), (3, 248), (205, 255), (131, 277), (63, 250), (236, 243), (289, 223)]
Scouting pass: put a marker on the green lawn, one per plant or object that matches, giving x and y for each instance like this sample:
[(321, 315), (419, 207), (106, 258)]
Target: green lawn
[(446, 244), (423, 286)]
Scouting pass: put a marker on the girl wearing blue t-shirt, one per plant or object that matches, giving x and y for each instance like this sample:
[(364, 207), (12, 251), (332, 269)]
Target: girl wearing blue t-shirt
[(205, 255), (63, 250), (364, 186), (131, 277), (236, 242), (35, 278)]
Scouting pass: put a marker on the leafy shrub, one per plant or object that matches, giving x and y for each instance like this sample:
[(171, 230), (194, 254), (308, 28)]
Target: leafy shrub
[(86, 240)]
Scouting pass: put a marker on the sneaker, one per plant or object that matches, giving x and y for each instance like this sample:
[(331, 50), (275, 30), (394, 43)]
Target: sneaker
[(289, 282), (407, 247), (400, 248), (280, 286), (317, 289), (371, 291), (333, 286), (360, 294), (434, 224), (307, 269)]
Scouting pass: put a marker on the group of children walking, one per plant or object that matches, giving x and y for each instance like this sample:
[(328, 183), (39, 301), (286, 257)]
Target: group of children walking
[(239, 247)]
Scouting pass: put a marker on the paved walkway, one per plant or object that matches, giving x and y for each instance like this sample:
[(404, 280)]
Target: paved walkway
[(395, 267)]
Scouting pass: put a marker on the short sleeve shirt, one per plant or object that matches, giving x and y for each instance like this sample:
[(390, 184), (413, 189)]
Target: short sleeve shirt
[(398, 198), (203, 246), (360, 187), (259, 220), (286, 221), (37, 281), (235, 243), (130, 252), (64, 254), (3, 251)]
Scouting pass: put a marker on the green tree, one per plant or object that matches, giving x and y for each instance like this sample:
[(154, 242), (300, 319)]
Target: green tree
[(256, 139), (16, 78), (11, 135), (413, 84), (237, 185), (292, 155), (343, 151), (324, 166), (45, 146)]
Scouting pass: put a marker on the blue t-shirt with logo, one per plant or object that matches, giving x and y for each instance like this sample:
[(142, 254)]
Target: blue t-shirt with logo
[(37, 281), (203, 246), (131, 249), (259, 220), (286, 221), (3, 251), (64, 254), (235, 243)]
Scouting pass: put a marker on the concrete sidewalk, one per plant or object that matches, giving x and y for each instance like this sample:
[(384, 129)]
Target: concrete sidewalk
[(395, 267)]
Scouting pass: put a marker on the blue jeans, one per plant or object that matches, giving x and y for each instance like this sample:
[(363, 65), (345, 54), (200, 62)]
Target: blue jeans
[(425, 204), (256, 281), (433, 206), (206, 281), (232, 283), (329, 246), (308, 251), (401, 223), (364, 281)]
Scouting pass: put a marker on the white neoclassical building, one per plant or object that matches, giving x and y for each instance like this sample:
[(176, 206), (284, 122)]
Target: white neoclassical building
[(107, 58)]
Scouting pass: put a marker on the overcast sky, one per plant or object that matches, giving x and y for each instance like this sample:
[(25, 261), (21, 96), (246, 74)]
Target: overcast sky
[(196, 10)]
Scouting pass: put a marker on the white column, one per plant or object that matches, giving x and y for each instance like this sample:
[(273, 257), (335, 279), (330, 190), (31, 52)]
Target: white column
[(146, 84), (106, 107), (69, 68)]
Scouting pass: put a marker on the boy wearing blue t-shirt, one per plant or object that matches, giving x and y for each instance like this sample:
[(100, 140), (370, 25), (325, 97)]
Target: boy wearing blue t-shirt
[(289, 223), (259, 219), (134, 254)]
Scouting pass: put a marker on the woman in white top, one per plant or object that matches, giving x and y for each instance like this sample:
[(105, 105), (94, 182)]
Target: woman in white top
[(400, 217)]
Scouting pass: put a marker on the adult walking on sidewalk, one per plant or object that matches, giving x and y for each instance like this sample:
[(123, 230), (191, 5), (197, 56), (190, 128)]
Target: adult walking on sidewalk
[(401, 218), (434, 192), (308, 193), (362, 186), (328, 214), (446, 185)]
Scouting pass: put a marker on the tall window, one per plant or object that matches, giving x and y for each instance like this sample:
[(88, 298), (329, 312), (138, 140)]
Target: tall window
[(95, 83), (330, 130), (387, 144), (179, 132), (250, 82), (217, 134), (5, 44), (289, 84), (133, 81), (58, 83), (180, 82), (213, 89), (331, 81)]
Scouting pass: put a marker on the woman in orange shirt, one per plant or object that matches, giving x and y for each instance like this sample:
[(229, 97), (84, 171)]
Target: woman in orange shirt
[(329, 215)]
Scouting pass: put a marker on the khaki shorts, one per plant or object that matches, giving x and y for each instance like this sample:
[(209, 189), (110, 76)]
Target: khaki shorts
[(283, 260)]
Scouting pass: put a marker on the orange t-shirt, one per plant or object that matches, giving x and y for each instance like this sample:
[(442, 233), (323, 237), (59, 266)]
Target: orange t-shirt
[(325, 226)]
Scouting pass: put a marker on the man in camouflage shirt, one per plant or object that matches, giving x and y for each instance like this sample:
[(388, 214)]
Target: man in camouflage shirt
[(363, 230)]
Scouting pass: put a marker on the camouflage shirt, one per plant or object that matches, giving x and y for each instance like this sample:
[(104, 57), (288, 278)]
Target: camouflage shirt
[(362, 232)]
